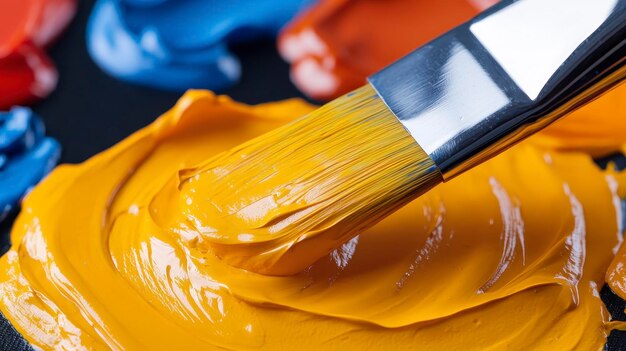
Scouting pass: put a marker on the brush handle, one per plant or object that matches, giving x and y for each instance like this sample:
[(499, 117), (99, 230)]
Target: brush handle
[(489, 83)]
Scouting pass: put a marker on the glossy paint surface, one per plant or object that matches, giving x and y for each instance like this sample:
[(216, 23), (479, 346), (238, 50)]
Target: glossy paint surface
[(336, 44), (180, 44), (26, 155), (26, 28), (507, 256), (278, 202)]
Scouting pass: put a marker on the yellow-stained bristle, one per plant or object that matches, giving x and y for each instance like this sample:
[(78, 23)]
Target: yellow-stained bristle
[(277, 203)]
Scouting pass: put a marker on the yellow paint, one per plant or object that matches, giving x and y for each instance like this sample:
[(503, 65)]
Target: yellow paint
[(508, 256), (277, 203)]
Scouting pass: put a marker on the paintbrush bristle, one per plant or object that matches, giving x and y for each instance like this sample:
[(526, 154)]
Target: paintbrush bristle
[(278, 202)]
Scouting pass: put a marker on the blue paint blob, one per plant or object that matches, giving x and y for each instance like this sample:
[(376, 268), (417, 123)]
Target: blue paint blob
[(181, 44), (26, 155)]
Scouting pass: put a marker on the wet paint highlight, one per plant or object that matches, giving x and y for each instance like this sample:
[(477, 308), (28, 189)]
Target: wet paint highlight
[(278, 202), (177, 45), (26, 155), (509, 255), (336, 44), (27, 28)]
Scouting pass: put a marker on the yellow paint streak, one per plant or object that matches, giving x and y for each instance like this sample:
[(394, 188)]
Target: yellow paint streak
[(279, 202), (509, 256)]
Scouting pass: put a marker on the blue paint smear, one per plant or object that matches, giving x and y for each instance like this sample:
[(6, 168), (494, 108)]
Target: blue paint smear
[(181, 44), (26, 155)]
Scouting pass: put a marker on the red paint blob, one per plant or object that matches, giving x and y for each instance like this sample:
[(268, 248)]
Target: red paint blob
[(26, 28), (336, 44)]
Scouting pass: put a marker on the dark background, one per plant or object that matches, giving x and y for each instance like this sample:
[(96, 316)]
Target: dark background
[(90, 111)]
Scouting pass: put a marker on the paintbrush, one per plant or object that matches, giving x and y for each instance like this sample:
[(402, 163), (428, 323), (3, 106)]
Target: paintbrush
[(279, 202)]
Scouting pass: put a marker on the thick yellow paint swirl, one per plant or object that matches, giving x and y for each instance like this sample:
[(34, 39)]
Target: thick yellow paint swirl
[(508, 256), (277, 203)]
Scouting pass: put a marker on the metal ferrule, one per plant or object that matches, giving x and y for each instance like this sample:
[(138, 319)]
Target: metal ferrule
[(509, 72)]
